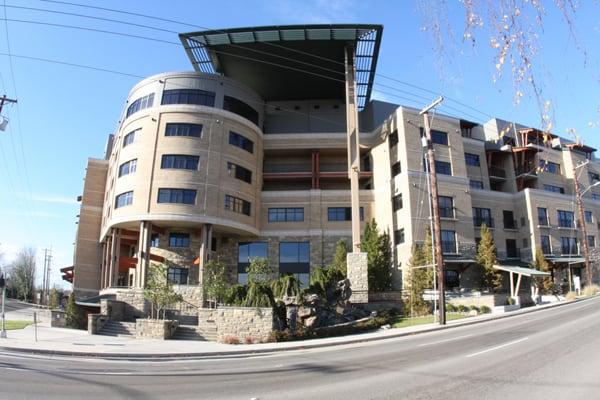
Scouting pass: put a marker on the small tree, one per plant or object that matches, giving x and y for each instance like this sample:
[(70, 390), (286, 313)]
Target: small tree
[(73, 316), (541, 264), (486, 258), (286, 286), (159, 291), (214, 282), (339, 258), (259, 270), (420, 277), (379, 256), (53, 299), (22, 274)]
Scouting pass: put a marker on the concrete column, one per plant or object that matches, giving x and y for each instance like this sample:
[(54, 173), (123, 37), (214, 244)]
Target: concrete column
[(115, 256), (204, 249), (111, 260), (104, 265), (143, 254)]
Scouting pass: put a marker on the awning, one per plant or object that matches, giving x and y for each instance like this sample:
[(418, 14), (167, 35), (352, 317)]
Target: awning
[(520, 271), (567, 260), (458, 261)]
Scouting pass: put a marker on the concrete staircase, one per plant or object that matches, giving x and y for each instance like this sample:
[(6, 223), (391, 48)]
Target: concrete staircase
[(118, 328), (193, 332)]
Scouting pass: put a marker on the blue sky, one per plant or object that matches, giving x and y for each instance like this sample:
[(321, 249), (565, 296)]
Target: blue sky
[(65, 113)]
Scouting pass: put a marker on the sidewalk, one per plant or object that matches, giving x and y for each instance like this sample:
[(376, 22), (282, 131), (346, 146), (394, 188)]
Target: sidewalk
[(71, 342)]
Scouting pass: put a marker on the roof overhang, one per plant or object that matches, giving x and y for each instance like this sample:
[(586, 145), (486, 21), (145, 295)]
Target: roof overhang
[(521, 270), (565, 260), (294, 62)]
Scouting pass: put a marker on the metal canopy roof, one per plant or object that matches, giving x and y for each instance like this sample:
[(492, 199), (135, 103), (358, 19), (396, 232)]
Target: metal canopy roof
[(295, 62), (565, 259), (521, 270)]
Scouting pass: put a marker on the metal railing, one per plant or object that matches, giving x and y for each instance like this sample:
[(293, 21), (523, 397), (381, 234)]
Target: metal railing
[(510, 224), (513, 253), (497, 172)]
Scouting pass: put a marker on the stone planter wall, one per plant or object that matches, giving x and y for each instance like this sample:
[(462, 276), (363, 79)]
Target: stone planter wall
[(154, 328), (392, 296), (96, 322), (190, 293), (113, 309), (244, 323), (136, 306)]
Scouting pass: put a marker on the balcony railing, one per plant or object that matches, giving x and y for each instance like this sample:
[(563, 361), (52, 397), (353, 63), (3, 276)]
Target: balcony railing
[(513, 253), (496, 172), (510, 224), (488, 221), (529, 170)]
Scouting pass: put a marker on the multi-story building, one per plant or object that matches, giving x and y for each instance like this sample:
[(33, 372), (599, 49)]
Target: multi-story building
[(246, 157)]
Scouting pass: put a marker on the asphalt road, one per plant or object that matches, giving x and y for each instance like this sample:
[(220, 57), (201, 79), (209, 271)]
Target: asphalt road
[(550, 354)]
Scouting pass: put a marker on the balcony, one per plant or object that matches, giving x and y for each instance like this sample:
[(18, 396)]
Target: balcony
[(488, 221), (526, 172), (514, 253), (496, 173)]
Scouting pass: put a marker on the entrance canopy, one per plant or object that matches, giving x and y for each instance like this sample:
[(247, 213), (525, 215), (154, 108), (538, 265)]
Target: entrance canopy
[(520, 271), (566, 260)]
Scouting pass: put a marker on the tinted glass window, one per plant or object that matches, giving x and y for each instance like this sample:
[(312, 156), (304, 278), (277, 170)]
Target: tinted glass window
[(182, 196), (240, 108), (189, 96), (193, 130)]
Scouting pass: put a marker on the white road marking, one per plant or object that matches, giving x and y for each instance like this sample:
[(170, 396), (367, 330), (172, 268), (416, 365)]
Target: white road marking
[(445, 340), (497, 347)]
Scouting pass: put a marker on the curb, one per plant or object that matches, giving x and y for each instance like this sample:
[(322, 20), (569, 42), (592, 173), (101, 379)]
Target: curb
[(256, 352)]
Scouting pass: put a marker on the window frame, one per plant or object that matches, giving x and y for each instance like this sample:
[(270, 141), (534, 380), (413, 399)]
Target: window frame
[(238, 172), (240, 141), (290, 214), (127, 168), (238, 205), (347, 211), (179, 240), (182, 129), (187, 196), (472, 160), (186, 96), (128, 199)]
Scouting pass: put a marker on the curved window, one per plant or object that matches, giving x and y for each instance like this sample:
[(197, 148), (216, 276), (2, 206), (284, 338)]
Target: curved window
[(237, 205), (239, 172), (242, 142), (189, 96), (129, 138), (181, 196), (128, 167), (178, 161), (140, 104), (124, 199), (192, 130), (240, 108)]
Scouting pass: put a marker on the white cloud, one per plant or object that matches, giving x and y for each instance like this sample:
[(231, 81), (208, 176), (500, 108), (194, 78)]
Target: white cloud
[(49, 198)]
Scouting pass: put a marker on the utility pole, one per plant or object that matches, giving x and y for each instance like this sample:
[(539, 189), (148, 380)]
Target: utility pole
[(3, 120), (586, 250), (46, 276), (437, 233)]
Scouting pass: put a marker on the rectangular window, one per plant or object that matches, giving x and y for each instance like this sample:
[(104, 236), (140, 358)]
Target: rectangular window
[(509, 219), (591, 239), (189, 96), (399, 236), (397, 202), (393, 138), (294, 259), (235, 139), (240, 108), (178, 129), (551, 167), (177, 275), (295, 214), (155, 240), (443, 167), (554, 189), (127, 167), (525, 243), (239, 172), (545, 244), (129, 138), (246, 252), (565, 219), (568, 245), (437, 137), (472, 159), (179, 161), (511, 249), (593, 177), (482, 216), (448, 241), (342, 214), (595, 196), (446, 206), (237, 205), (396, 169), (588, 216), (124, 199), (177, 239), (543, 217), (475, 184), (179, 196), (140, 104)]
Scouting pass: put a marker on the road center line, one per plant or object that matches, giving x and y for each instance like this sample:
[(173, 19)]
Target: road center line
[(497, 347), (445, 340)]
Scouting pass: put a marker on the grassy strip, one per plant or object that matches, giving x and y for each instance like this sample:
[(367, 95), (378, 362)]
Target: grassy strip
[(16, 324), (427, 319)]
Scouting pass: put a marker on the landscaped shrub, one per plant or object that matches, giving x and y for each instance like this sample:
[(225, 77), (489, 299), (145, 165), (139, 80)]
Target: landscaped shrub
[(463, 309), (248, 340), (485, 310), (571, 296), (235, 295), (450, 307), (474, 308), (510, 301), (591, 290), (230, 339)]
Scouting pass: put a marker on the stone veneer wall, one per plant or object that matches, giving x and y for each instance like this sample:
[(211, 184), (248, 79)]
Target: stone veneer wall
[(136, 306), (244, 322), (357, 267), (154, 328), (191, 294)]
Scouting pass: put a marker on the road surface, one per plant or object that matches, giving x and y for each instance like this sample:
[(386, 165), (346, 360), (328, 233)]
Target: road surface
[(550, 354)]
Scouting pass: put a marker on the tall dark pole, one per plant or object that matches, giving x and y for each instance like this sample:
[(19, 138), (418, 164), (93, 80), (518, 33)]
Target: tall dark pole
[(586, 250), (437, 233)]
